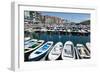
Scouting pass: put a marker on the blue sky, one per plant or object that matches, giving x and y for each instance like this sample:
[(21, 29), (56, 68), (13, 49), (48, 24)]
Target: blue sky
[(73, 17)]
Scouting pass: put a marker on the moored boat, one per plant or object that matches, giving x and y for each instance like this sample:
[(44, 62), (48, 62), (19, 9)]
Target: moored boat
[(40, 52), (26, 38), (56, 51), (34, 46), (88, 45), (82, 51), (29, 43), (68, 51)]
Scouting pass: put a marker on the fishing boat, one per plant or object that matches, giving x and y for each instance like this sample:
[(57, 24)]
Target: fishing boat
[(82, 51), (68, 51), (26, 38), (34, 46), (56, 51), (26, 42), (29, 43), (40, 52), (88, 45)]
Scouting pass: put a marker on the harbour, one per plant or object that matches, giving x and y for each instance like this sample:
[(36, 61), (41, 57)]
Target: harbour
[(56, 36)]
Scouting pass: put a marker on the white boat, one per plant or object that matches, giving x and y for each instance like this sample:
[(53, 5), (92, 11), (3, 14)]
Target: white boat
[(82, 51), (68, 51), (29, 43), (34, 46), (27, 38), (88, 45), (40, 52), (83, 31), (68, 30), (56, 51)]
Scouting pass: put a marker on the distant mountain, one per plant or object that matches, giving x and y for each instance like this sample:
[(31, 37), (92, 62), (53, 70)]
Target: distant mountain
[(86, 22)]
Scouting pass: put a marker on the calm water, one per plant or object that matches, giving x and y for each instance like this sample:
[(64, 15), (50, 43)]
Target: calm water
[(64, 37)]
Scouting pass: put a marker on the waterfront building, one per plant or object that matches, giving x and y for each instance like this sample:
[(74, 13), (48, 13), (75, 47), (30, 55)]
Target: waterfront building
[(36, 20)]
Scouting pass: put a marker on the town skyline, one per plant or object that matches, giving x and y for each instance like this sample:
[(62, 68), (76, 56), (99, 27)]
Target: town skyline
[(72, 17)]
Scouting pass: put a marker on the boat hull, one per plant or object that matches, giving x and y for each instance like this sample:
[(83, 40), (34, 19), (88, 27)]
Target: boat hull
[(38, 58), (83, 53), (55, 54), (67, 56), (40, 52)]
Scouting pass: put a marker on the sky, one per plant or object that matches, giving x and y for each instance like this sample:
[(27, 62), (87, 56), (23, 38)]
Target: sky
[(72, 17)]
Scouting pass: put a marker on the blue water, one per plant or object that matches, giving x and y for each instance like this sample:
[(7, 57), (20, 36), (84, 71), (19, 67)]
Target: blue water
[(63, 38)]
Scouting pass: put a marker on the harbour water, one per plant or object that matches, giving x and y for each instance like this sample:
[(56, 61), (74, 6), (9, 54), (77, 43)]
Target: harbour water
[(82, 39)]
